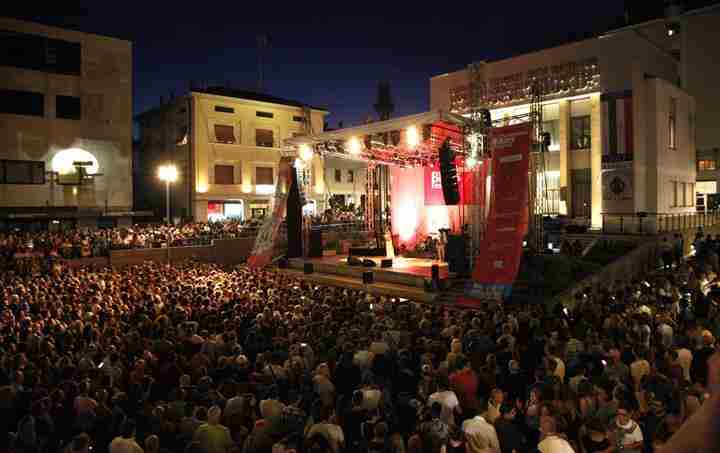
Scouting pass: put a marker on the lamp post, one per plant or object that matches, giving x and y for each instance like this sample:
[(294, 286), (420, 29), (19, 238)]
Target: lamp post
[(167, 173)]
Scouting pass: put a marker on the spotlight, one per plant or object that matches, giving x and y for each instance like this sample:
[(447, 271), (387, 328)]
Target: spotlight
[(412, 137), (470, 162), (354, 146), (305, 152)]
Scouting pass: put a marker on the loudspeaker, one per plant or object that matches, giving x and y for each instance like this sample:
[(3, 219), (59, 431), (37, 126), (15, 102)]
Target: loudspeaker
[(486, 117), (455, 254), (368, 278), (316, 249), (435, 273), (293, 218), (368, 263), (308, 268), (387, 262), (353, 261), (448, 174)]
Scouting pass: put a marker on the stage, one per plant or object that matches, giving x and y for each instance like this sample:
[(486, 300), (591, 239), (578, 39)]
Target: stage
[(405, 272)]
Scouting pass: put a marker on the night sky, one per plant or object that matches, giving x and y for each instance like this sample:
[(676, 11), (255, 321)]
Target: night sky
[(329, 55)]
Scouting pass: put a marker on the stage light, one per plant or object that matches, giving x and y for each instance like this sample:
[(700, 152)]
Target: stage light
[(470, 162), (412, 137), (299, 163), (354, 146), (305, 152)]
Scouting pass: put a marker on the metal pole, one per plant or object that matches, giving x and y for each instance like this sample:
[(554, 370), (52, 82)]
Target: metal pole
[(167, 201)]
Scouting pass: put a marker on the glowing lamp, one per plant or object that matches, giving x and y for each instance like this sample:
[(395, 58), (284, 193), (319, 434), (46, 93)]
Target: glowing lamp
[(305, 153), (168, 173), (470, 162), (412, 137), (65, 161), (354, 146)]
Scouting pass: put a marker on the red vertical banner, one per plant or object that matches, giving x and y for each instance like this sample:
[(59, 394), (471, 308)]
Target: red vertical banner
[(261, 254), (433, 186), (498, 262)]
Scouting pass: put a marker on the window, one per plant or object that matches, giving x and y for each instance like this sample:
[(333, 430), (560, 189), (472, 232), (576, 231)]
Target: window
[(706, 165), (580, 132), (299, 119), (224, 174), (675, 193), (338, 175), (683, 187), (264, 138), (39, 53), (224, 133), (351, 176), (67, 107), (22, 103), (22, 172), (672, 115), (264, 175), (182, 135), (264, 114), (223, 109)]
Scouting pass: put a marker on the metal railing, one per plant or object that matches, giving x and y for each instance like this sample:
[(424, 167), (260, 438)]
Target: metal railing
[(656, 223)]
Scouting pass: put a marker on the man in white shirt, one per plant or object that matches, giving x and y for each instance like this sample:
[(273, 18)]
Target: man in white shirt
[(448, 400), (480, 436), (685, 357), (551, 441), (629, 432)]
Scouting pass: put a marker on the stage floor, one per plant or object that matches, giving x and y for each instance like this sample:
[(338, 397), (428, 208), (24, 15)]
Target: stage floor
[(413, 266), (404, 271)]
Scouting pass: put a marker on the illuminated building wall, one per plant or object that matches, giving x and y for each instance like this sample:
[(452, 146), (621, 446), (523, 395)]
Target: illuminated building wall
[(592, 90), (227, 144), (65, 97)]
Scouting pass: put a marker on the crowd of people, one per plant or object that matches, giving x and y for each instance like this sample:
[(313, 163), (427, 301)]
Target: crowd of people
[(195, 358)]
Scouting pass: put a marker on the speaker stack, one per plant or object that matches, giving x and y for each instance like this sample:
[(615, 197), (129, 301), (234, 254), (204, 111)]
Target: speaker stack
[(316, 249), (448, 174)]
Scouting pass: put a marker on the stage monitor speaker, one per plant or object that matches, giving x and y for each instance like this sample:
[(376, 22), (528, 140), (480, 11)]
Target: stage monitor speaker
[(308, 268), (387, 262), (368, 278), (456, 254), (353, 261), (448, 174), (316, 248), (368, 263)]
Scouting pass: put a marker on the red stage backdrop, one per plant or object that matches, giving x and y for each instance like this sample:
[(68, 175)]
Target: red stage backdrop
[(498, 262), (267, 235)]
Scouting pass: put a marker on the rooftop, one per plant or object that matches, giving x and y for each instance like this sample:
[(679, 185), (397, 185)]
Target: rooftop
[(253, 96)]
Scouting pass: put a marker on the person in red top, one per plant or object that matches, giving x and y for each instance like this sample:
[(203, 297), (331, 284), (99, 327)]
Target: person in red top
[(464, 383)]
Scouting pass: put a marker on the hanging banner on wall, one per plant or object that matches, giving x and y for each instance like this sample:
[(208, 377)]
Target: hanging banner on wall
[(433, 186), (261, 254), (617, 117), (498, 262)]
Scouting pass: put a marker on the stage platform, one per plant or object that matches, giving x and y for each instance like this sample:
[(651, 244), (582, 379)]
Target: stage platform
[(411, 272)]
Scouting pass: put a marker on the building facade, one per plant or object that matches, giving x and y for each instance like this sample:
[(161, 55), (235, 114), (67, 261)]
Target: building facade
[(227, 146), (65, 127), (622, 131)]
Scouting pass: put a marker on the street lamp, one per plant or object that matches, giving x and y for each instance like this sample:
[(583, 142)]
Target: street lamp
[(167, 173)]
